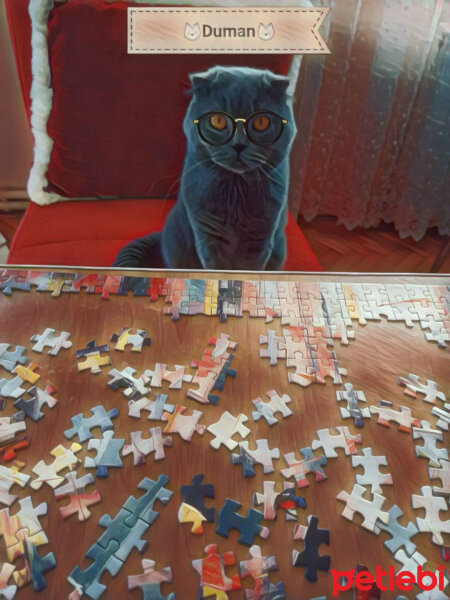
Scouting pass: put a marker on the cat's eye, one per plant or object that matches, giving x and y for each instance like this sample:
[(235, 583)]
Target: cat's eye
[(261, 123), (218, 121)]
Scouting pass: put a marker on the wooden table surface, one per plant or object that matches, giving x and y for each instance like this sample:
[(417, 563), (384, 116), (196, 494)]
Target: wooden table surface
[(380, 353)]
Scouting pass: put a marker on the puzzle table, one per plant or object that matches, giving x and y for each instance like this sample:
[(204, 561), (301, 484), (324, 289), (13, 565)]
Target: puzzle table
[(238, 425)]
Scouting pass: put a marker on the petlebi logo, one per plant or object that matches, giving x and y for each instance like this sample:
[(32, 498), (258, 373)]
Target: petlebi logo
[(389, 580), (264, 32)]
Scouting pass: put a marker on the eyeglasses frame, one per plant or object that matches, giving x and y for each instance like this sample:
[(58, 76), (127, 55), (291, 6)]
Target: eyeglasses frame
[(239, 120)]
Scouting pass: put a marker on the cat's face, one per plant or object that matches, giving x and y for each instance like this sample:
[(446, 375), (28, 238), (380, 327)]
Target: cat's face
[(266, 32), (240, 92), (192, 32)]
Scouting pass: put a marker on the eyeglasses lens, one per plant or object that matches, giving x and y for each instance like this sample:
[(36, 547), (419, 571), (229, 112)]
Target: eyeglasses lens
[(216, 128)]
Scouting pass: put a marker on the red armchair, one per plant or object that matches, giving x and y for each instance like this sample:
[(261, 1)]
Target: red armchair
[(90, 232)]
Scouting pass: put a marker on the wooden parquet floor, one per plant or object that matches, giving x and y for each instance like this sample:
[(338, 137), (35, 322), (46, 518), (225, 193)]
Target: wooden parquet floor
[(375, 250), (361, 250)]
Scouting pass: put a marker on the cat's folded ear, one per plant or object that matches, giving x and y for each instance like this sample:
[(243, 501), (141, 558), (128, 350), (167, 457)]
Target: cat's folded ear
[(279, 83), (199, 81)]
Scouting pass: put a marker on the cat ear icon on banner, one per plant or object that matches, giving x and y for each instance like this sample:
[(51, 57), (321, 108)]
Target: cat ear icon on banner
[(192, 32), (266, 32)]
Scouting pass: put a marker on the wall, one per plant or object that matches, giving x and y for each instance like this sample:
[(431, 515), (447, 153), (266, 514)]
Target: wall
[(15, 138)]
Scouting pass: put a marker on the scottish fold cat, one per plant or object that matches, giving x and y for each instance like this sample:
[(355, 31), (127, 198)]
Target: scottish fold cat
[(231, 209)]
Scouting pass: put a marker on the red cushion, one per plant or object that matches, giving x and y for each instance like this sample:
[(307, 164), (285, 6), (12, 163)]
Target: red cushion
[(91, 233), (116, 119)]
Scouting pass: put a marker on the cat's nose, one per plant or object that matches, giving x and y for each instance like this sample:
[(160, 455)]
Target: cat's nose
[(239, 147)]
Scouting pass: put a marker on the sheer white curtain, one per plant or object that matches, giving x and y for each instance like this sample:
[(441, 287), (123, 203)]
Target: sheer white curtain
[(374, 118)]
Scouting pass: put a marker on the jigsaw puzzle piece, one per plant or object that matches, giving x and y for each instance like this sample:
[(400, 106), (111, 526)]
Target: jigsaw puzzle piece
[(213, 579), (64, 459), (140, 446), (108, 453), (248, 526), (82, 425), (10, 476), (403, 417), (175, 378), (22, 527), (150, 580), (126, 338), (225, 428), (142, 507), (156, 408), (276, 404), (369, 509), (184, 425), (8, 429), (353, 410), (87, 581), (272, 501), (8, 450), (414, 386), (310, 558), (258, 567), (276, 347), (400, 536), (432, 523), (50, 339), (263, 455), (32, 407), (7, 592), (195, 493), (442, 473), (93, 358), (79, 500), (299, 469), (35, 567), (9, 359), (372, 474), (132, 386), (429, 449), (11, 280), (329, 442)]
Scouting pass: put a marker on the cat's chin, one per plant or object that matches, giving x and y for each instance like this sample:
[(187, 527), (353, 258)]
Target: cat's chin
[(239, 168)]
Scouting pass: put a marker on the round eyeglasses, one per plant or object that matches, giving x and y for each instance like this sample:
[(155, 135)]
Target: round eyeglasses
[(262, 128)]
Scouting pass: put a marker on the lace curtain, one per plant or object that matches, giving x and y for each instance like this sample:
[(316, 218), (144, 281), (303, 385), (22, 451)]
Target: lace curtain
[(374, 118)]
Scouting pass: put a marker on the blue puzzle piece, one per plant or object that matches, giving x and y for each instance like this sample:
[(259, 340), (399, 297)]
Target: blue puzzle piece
[(248, 526), (400, 536), (108, 453), (142, 507), (128, 537), (195, 493), (313, 537), (39, 565), (9, 359), (12, 280), (246, 461), (87, 581), (82, 425)]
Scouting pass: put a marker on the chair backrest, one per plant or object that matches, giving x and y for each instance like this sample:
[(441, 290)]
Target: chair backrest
[(115, 119)]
